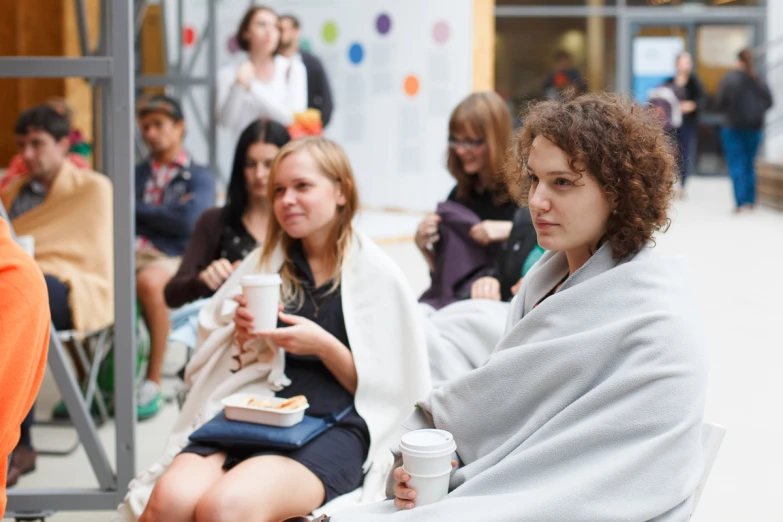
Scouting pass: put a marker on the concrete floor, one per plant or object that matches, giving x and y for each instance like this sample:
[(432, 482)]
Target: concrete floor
[(736, 263)]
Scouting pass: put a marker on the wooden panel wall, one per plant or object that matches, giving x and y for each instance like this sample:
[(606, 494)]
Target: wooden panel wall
[(483, 45), (41, 28)]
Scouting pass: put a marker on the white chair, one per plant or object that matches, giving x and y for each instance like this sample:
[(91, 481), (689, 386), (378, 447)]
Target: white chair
[(711, 438)]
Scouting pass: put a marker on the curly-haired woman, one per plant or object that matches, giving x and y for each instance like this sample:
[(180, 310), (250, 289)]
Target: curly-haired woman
[(590, 408)]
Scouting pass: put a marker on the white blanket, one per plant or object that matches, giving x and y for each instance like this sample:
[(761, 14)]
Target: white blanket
[(387, 340), (589, 409)]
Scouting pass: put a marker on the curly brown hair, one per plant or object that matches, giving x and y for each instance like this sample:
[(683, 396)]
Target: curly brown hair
[(621, 145)]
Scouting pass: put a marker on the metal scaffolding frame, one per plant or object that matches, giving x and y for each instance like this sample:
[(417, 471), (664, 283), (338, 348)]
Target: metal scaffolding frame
[(111, 72), (179, 75)]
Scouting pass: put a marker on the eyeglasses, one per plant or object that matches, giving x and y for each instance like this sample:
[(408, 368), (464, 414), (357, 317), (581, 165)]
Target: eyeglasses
[(465, 144)]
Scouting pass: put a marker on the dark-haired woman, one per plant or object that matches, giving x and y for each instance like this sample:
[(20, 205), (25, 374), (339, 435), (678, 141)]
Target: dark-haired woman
[(224, 236), (266, 84)]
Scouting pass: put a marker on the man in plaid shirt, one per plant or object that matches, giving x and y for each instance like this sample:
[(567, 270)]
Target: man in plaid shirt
[(171, 193)]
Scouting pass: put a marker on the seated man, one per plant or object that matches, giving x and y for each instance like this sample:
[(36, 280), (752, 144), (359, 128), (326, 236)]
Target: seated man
[(24, 336), (171, 193), (68, 212)]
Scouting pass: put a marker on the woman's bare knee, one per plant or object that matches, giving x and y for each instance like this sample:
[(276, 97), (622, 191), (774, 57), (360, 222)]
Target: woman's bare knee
[(179, 490), (171, 501), (221, 505)]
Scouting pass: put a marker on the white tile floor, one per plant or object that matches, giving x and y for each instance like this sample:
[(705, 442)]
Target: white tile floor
[(737, 265)]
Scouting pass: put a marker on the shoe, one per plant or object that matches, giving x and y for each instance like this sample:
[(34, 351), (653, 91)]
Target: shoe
[(22, 462), (149, 400)]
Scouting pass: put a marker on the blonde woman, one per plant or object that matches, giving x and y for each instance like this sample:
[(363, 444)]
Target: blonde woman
[(341, 348)]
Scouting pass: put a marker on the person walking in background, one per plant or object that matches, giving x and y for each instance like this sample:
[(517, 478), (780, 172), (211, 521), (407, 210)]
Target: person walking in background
[(267, 84), (319, 94), (564, 77), (690, 92), (171, 193), (24, 338), (744, 98)]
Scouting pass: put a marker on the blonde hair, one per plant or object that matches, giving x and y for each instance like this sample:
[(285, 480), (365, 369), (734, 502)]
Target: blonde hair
[(334, 164), (487, 115)]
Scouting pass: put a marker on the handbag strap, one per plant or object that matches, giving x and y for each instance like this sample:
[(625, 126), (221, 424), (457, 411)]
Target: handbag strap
[(334, 418)]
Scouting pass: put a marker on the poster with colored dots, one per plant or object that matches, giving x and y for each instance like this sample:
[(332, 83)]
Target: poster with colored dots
[(396, 69)]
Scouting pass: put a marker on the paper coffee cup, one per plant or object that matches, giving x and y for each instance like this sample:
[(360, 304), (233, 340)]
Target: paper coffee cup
[(262, 292), (429, 489), (27, 243), (427, 452)]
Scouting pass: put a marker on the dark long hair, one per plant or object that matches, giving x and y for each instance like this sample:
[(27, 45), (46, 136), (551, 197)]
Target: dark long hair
[(238, 197)]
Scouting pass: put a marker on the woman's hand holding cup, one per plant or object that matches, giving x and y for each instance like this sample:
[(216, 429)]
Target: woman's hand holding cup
[(404, 495), (243, 321)]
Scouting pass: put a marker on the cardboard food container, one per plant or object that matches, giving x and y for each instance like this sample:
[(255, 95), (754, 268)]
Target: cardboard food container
[(237, 408)]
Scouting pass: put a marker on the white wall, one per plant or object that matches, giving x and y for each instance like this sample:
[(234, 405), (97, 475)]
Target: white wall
[(396, 142), (774, 142)]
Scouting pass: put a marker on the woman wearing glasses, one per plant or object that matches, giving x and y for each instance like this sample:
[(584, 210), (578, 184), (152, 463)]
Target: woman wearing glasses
[(479, 133)]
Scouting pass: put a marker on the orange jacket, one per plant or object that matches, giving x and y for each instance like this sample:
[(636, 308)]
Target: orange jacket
[(24, 341)]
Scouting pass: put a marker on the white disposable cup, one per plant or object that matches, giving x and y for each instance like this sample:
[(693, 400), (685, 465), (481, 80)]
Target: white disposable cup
[(262, 292), (429, 489), (27, 243), (427, 452)]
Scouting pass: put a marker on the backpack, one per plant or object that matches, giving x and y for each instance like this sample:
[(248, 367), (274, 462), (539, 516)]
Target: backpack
[(667, 106)]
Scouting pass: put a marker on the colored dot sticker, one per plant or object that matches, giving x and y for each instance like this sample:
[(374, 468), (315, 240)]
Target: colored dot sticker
[(233, 45), (188, 36), (330, 32), (356, 53), (305, 45), (411, 85), (441, 32), (383, 23)]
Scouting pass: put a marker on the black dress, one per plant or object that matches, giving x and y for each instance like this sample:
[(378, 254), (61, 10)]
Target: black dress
[(336, 457)]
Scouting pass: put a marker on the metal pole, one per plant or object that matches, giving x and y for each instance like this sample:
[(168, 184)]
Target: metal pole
[(623, 50), (212, 74), (121, 118), (180, 47), (81, 20)]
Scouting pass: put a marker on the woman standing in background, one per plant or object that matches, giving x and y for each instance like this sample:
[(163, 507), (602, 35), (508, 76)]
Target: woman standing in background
[(690, 92), (267, 84)]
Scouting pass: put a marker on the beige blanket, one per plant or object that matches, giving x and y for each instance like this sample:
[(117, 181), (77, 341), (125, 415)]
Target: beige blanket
[(73, 234)]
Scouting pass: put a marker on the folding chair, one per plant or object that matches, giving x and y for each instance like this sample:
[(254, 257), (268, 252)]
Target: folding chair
[(711, 438), (90, 349)]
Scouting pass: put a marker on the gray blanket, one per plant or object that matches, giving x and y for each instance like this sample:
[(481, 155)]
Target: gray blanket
[(589, 409), (462, 335)]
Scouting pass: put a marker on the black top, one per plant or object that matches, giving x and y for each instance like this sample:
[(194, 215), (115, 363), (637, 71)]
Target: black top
[(744, 100), (309, 375), (483, 204), (212, 239), (319, 94), (693, 91)]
